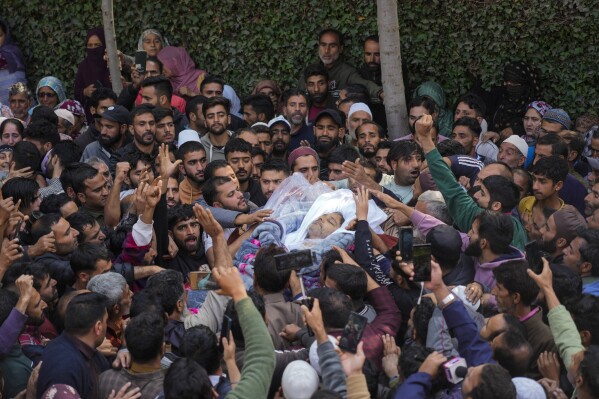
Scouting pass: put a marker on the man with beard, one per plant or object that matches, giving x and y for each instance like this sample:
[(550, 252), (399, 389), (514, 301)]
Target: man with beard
[(380, 158), (90, 190), (280, 130), (272, 173), (369, 135), (193, 161), (358, 114), (172, 193), (559, 231), (113, 124), (165, 125), (305, 161), (591, 201), (158, 92), (184, 230), (327, 125), (64, 153), (20, 99), (295, 110), (216, 111), (31, 339), (466, 131), (257, 108), (405, 158), (371, 69), (317, 86), (143, 129), (238, 153), (582, 256)]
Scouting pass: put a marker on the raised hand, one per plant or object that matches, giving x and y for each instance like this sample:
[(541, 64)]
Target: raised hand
[(432, 363), (230, 282), (361, 203), (207, 221), (167, 168)]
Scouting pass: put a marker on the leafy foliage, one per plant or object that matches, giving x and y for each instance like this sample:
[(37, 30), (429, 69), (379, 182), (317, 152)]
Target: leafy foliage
[(247, 40)]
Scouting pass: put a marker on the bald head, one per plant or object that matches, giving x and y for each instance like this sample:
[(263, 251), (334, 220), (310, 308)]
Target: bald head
[(494, 169)]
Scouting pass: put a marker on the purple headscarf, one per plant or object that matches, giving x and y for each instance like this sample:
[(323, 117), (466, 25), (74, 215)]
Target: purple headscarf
[(183, 69), (10, 52)]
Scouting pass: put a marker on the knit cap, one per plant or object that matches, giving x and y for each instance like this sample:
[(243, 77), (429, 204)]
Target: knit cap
[(558, 115)]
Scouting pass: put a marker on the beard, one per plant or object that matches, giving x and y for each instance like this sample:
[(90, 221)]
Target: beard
[(318, 98), (107, 141), (217, 129), (279, 147), (548, 246), (474, 249), (36, 321), (367, 153), (296, 118), (324, 146)]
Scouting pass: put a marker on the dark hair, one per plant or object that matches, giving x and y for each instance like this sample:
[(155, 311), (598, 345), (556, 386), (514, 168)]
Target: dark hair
[(146, 301), (350, 280), (266, 274), (474, 102), (26, 154), (554, 168), (162, 86), (425, 102), (497, 229), (259, 152), (261, 104), (39, 271), (186, 379), (43, 226), (83, 312), (8, 300), (589, 369), (584, 312), (404, 149), (411, 357), (67, 152), (101, 93), (86, 255), (141, 110), (423, 313), (567, 283), (515, 325), (379, 128), (186, 148), (558, 147), (210, 188), (208, 79), (471, 123), (508, 353), (335, 306), (145, 335), (344, 152), (502, 190), (133, 158), (373, 38), (179, 213), (449, 147), (316, 70), (287, 94), (357, 89), (168, 286), (215, 101), (237, 145), (329, 259), (527, 176), (79, 173), (41, 113), (589, 252), (15, 122), (213, 166), (21, 188), (230, 311), (495, 383), (161, 113), (333, 32), (192, 104), (513, 276), (200, 344), (42, 131), (275, 164), (576, 143), (155, 60), (355, 97)]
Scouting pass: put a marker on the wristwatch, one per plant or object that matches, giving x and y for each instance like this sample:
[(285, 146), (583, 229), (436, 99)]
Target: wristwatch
[(447, 300)]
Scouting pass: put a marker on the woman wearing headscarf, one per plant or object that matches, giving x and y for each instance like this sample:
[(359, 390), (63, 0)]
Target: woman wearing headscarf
[(151, 41), (435, 92), (12, 67), (93, 70), (181, 70), (50, 92), (271, 89)]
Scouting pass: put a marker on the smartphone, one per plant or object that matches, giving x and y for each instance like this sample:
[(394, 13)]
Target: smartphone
[(140, 61), (17, 233), (309, 302), (534, 256), (202, 281), (352, 333), (422, 262), (224, 332), (294, 260), (405, 243)]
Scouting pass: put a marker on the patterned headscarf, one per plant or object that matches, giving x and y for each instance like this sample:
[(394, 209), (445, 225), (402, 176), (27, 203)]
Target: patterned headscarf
[(61, 391), (53, 83), (540, 106)]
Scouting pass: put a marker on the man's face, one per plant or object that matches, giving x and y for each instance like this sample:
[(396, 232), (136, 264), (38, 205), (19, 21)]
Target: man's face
[(593, 220), (591, 201), (104, 171), (264, 142), (5, 159), (549, 236), (186, 234), (165, 130), (102, 106), (110, 132), (217, 120), (372, 54), (65, 236), (594, 148), (212, 90), (19, 105), (93, 234), (136, 173), (326, 132), (543, 187), (198, 117), (415, 114), (505, 300), (102, 267), (356, 119), (280, 136), (407, 169), (486, 171), (296, 110), (572, 257), (548, 127), (270, 180), (325, 225), (381, 160), (172, 192), (226, 171), (465, 137), (152, 69), (307, 166), (229, 197), (257, 161), (463, 110), (194, 164), (368, 139), (329, 49), (493, 325), (143, 129), (10, 134), (532, 122), (336, 172), (511, 155), (48, 290), (95, 193), (249, 115), (149, 96), (482, 197), (241, 162), (542, 151), (35, 310), (318, 89)]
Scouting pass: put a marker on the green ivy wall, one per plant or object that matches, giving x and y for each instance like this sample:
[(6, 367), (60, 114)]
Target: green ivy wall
[(244, 40)]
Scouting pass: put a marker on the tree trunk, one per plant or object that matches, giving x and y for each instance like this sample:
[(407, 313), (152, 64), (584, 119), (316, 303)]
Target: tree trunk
[(395, 96), (111, 47)]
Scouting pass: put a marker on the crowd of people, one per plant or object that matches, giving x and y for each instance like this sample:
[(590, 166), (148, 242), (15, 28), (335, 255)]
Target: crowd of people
[(153, 243)]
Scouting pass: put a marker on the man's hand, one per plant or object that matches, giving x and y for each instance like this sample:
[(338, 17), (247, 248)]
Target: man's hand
[(313, 318), (474, 291), (549, 366), (45, 244), (361, 204), (7, 207), (230, 282), (256, 217), (345, 258), (121, 171), (289, 332), (432, 363), (545, 279), (123, 360), (153, 193), (167, 168), (423, 134), (123, 394), (10, 253), (392, 203), (140, 197), (391, 356), (229, 347), (352, 362), (552, 389), (26, 172), (25, 285), (107, 349), (357, 172), (208, 222)]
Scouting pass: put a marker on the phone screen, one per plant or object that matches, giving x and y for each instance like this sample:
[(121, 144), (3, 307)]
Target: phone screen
[(294, 260), (224, 332), (422, 262), (352, 333), (140, 61), (202, 281), (406, 242), (533, 256)]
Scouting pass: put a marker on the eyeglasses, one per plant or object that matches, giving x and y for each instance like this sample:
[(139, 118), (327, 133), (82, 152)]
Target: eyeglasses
[(45, 94)]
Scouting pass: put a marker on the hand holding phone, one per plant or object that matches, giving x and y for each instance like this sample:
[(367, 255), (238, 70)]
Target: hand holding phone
[(294, 260), (224, 332), (352, 332), (405, 243), (422, 262), (140, 61)]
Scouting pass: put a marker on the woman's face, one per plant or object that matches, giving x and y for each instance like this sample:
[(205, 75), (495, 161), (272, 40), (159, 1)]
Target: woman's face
[(152, 44), (94, 42), (48, 97), (267, 91), (10, 135), (532, 122), (5, 158)]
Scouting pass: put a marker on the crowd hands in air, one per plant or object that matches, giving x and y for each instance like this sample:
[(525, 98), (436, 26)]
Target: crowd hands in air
[(142, 235)]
